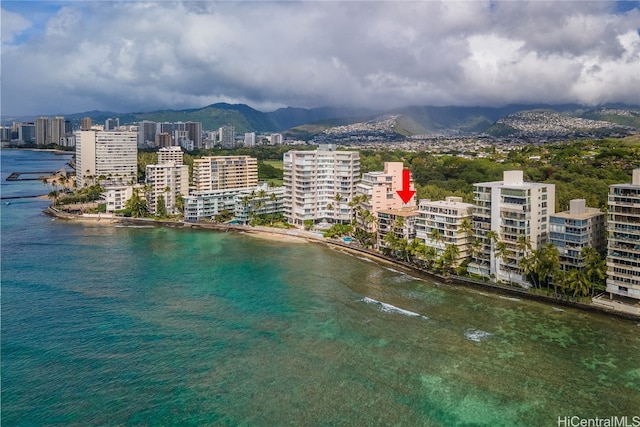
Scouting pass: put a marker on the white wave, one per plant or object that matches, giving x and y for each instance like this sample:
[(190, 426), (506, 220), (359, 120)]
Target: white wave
[(557, 309), (394, 270), (510, 298), (476, 335), (365, 259), (388, 308)]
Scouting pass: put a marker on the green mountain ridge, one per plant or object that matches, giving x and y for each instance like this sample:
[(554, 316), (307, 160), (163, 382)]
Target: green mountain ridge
[(301, 123)]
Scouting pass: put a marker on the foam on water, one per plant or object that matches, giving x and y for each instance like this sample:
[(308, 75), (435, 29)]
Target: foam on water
[(476, 335), (509, 298), (388, 308), (365, 259)]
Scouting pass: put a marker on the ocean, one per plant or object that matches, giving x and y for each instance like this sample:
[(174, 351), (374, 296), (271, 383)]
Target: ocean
[(111, 326)]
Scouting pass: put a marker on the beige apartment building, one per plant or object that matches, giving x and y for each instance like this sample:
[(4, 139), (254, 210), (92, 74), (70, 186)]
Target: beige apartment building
[(224, 172), (400, 221), (168, 179), (440, 224)]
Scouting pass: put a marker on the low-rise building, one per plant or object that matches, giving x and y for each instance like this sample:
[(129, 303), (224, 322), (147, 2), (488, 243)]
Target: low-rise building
[(115, 197), (380, 190), (243, 203), (573, 230), (263, 200), (401, 222)]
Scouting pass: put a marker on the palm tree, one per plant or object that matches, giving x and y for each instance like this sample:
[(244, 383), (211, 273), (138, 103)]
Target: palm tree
[(595, 268), (413, 249), (53, 194), (436, 238), (180, 203), (273, 197), (337, 199), (449, 257), (493, 238), (475, 247), (501, 252), (428, 254), (529, 266), (398, 226), (549, 262), (466, 226), (578, 282), (137, 205)]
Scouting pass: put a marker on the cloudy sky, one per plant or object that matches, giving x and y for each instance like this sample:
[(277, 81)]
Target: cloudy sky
[(126, 56)]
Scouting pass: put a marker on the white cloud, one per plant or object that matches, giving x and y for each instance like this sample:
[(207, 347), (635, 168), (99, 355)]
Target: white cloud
[(135, 56), (12, 25)]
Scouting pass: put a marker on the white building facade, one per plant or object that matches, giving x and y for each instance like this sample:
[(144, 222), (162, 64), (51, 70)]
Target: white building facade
[(320, 184), (623, 252), (512, 209), (440, 224), (108, 157), (169, 180)]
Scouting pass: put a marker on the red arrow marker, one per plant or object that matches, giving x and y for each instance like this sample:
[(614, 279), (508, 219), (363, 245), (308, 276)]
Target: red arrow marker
[(406, 194)]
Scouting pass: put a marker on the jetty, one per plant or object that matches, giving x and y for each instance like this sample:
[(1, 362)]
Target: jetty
[(15, 176)]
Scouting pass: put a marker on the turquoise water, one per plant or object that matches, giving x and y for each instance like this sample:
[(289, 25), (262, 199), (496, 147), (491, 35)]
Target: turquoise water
[(106, 325)]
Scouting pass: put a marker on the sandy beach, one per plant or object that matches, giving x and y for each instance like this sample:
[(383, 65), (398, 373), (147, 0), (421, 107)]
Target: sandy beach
[(270, 235)]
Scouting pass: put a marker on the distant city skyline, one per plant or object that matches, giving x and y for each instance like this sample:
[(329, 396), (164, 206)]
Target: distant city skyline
[(64, 57)]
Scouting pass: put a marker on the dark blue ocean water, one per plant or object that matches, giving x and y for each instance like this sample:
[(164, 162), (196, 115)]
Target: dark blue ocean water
[(106, 325)]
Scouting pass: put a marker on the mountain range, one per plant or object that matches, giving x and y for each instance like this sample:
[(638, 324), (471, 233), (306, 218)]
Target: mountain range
[(302, 123)]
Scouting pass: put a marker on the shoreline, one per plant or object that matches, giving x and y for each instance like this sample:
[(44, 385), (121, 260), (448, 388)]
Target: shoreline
[(300, 237)]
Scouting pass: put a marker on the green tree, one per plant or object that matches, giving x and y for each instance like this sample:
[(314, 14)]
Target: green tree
[(595, 269), (492, 236), (137, 205), (161, 207), (450, 257), (180, 203)]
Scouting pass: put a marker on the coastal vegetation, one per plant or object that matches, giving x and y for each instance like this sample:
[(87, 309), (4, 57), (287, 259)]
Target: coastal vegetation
[(579, 169)]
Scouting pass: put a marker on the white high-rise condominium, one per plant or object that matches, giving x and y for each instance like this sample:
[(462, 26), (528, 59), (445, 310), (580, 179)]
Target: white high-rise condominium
[(515, 211), (224, 172), (320, 184), (168, 179), (42, 131), (56, 130), (276, 139), (250, 139), (623, 255), (110, 157), (226, 136)]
